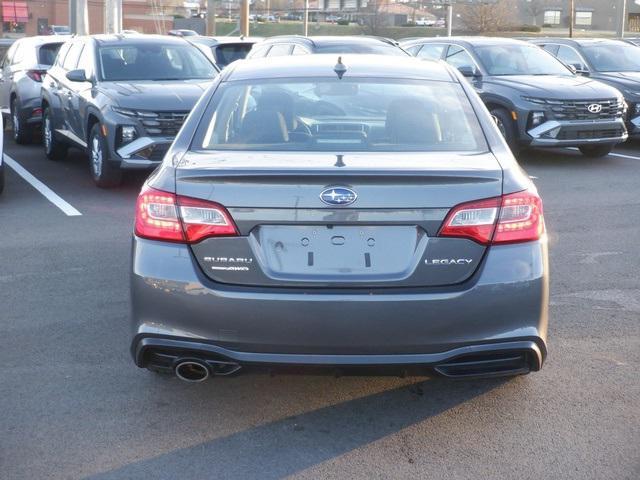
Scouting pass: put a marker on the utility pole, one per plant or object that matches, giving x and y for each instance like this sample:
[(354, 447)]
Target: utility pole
[(572, 16), (623, 19), (244, 18), (78, 17), (305, 20), (211, 17), (113, 16), (449, 18)]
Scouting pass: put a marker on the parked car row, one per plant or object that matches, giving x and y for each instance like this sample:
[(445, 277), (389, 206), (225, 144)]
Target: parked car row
[(538, 101), (123, 98)]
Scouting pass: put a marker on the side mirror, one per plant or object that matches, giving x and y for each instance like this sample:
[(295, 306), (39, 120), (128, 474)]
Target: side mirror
[(468, 71), (77, 76), (579, 69)]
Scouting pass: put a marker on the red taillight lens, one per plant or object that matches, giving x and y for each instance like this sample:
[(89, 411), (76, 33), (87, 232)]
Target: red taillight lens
[(36, 75), (474, 220), (157, 216), (203, 219), (169, 217), (521, 218), (512, 218)]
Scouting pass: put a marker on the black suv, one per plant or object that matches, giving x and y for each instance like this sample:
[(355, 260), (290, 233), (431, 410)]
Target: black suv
[(122, 98), (284, 45), (613, 62), (536, 100)]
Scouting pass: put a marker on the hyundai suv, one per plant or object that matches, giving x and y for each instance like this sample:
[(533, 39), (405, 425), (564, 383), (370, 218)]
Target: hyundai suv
[(613, 62), (339, 211), (122, 98), (536, 100)]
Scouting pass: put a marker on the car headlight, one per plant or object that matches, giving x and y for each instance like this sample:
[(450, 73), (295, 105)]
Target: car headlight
[(536, 119), (126, 134), (124, 111)]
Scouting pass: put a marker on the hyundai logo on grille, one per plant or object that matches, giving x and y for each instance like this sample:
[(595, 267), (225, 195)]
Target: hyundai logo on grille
[(338, 196), (594, 108)]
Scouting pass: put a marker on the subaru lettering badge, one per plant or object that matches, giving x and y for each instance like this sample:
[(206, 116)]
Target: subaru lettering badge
[(338, 196), (594, 108)]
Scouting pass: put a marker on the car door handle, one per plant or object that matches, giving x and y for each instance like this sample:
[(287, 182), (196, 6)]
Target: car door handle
[(69, 93)]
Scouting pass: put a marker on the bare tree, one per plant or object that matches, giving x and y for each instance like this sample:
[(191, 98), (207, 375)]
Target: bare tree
[(535, 8), (488, 17), (373, 16)]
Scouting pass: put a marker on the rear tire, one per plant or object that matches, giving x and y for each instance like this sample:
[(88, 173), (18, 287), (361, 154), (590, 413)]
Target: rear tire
[(104, 172), (54, 149), (596, 151), (507, 127), (21, 135)]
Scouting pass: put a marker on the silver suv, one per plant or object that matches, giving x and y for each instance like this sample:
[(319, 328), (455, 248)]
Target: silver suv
[(22, 70)]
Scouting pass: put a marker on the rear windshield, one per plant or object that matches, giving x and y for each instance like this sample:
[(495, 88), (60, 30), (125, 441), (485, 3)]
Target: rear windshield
[(340, 115), (47, 53), (366, 48), (225, 54), (519, 60), (613, 58), (153, 62)]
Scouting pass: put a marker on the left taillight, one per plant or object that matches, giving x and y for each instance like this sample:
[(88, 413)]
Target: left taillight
[(174, 218), (36, 75), (512, 218)]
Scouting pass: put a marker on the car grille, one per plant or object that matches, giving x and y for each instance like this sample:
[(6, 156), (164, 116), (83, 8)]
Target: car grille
[(165, 124), (589, 134), (579, 110)]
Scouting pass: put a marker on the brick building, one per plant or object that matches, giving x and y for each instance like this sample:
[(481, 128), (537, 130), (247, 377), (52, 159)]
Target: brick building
[(32, 17)]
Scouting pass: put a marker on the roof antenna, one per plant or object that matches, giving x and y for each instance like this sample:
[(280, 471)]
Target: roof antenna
[(340, 68)]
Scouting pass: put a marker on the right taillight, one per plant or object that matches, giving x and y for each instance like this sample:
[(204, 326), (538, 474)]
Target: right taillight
[(174, 218), (512, 218), (520, 219)]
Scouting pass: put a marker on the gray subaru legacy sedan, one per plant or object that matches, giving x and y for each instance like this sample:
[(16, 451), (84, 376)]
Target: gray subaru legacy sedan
[(354, 212)]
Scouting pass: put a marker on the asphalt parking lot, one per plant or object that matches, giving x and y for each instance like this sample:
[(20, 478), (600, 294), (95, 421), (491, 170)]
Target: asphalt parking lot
[(73, 405)]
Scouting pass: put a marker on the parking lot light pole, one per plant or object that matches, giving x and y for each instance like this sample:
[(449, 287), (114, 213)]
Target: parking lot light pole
[(623, 18), (449, 18), (305, 20), (572, 14), (211, 17), (78, 17), (113, 16), (244, 18)]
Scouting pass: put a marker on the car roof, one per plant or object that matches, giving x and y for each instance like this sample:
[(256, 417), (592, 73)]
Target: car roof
[(223, 40), (108, 39), (44, 39), (579, 41), (313, 66), (465, 41), (331, 40)]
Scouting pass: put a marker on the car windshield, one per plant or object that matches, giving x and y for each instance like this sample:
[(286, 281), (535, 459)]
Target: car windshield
[(519, 60), (227, 53), (365, 48), (613, 58), (329, 114), (153, 62)]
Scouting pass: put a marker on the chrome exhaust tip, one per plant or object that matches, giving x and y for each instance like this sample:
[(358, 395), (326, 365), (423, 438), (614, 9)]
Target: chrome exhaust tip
[(192, 371)]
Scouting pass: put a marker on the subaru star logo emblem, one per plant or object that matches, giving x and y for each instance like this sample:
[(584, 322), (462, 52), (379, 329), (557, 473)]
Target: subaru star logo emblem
[(594, 108), (338, 196)]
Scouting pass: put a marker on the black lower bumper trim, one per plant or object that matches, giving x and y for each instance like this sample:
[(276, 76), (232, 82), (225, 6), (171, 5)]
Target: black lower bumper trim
[(483, 360)]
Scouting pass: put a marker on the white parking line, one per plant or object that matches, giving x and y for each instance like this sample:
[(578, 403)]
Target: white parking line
[(624, 156), (49, 194)]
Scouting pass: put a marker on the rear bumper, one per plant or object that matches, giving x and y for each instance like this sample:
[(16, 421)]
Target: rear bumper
[(485, 360), (172, 301)]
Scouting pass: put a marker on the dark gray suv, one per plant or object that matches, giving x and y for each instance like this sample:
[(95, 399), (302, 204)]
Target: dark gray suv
[(353, 211), (122, 98), (536, 100)]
